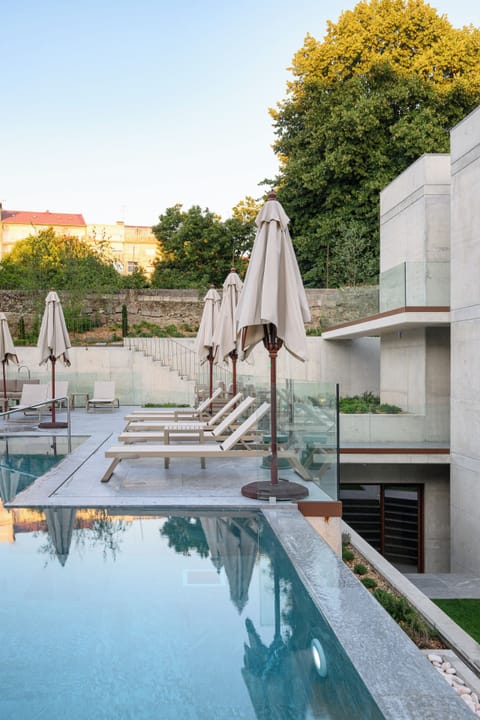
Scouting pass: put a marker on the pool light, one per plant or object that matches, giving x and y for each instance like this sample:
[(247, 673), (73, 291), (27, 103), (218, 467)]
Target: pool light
[(319, 659)]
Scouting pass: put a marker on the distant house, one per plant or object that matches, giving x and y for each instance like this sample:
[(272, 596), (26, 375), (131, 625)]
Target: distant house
[(129, 247)]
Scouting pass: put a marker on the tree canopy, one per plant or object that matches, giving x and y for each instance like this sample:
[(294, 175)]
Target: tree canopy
[(383, 87), (48, 260), (197, 248)]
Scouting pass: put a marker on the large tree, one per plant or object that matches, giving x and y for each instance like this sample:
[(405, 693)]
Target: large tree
[(47, 260), (385, 85), (197, 248)]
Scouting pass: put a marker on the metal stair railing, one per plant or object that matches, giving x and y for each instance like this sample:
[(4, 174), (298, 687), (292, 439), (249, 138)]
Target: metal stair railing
[(178, 357)]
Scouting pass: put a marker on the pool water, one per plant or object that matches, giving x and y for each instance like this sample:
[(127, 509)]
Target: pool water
[(118, 617), (25, 458)]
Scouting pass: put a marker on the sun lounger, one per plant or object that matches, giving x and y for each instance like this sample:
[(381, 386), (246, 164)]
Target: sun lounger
[(103, 395), (233, 447), (178, 414), (32, 394), (144, 432), (153, 423)]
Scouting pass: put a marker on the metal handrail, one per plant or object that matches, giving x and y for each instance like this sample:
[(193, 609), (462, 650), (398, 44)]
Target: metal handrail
[(48, 401), (178, 357)]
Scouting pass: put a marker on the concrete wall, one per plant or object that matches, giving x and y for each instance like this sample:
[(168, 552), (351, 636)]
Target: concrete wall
[(465, 352), (352, 364), (402, 369), (415, 214)]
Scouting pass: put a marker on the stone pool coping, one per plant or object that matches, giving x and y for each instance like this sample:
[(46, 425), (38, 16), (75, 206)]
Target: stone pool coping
[(401, 681), (453, 635)]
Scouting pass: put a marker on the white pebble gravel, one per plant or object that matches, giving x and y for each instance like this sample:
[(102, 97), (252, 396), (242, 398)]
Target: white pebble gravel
[(448, 672)]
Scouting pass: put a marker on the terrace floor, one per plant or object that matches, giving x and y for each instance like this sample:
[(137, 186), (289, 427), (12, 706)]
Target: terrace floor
[(76, 481)]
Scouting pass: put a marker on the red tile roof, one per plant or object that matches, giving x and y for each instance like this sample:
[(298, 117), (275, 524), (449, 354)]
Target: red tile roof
[(27, 217)]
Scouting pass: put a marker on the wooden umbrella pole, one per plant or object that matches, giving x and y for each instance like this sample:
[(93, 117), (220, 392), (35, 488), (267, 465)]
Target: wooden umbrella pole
[(53, 361), (273, 345), (234, 356), (4, 385), (210, 362)]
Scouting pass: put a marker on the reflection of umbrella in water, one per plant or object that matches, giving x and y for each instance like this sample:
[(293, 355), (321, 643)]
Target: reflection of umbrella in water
[(226, 330), (7, 352), (273, 308), (275, 687), (213, 533), (239, 554), (60, 522), (205, 342), (9, 480), (53, 344)]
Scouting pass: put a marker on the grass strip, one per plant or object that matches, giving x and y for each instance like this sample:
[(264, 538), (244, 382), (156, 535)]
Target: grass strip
[(465, 612)]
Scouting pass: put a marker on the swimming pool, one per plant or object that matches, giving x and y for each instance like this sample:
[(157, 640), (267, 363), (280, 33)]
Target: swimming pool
[(108, 616), (130, 614), (24, 458)]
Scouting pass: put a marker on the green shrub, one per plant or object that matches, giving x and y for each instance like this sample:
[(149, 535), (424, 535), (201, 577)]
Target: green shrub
[(165, 405), (366, 403), (360, 569), (347, 555), (369, 582)]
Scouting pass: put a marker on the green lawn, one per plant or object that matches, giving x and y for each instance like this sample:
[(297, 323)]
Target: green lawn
[(465, 613)]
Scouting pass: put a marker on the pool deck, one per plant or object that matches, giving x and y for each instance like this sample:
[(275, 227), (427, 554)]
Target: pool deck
[(404, 685), (76, 480)]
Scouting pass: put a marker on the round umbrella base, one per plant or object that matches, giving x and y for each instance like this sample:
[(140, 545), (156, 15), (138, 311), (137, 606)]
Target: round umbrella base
[(53, 425), (283, 490)]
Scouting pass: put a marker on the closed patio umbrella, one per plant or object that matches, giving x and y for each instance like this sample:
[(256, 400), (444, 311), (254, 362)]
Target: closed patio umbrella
[(7, 352), (205, 342), (239, 553), (60, 522), (213, 528), (273, 308), (53, 344), (9, 481), (226, 338)]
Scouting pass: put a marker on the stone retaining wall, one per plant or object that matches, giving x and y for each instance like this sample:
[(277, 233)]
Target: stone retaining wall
[(181, 307)]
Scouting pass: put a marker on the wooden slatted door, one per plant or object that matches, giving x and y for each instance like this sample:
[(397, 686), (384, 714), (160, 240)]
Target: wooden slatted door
[(390, 518)]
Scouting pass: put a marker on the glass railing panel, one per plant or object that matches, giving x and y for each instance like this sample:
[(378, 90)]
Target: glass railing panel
[(306, 434), (410, 284), (421, 426), (392, 288)]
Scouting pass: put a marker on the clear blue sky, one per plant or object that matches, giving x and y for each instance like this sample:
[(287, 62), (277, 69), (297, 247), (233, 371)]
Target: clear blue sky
[(120, 109)]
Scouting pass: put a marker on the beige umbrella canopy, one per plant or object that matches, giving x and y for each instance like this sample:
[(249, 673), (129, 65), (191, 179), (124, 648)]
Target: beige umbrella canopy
[(7, 351), (9, 481), (60, 522), (53, 342), (213, 529), (226, 338), (205, 342), (239, 554), (273, 308)]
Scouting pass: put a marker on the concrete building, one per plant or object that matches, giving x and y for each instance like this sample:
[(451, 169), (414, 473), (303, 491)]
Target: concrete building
[(130, 247), (411, 482)]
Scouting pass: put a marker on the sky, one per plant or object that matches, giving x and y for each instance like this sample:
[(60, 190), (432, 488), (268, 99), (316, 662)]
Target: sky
[(118, 109)]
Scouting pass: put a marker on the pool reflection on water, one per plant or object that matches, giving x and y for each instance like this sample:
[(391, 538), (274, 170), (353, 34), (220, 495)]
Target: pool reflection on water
[(111, 616)]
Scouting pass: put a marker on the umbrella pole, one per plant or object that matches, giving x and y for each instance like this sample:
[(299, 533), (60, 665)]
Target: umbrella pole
[(210, 362), (53, 388), (278, 489), (53, 423), (273, 352), (234, 356), (4, 385)]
